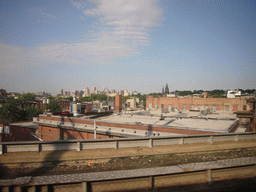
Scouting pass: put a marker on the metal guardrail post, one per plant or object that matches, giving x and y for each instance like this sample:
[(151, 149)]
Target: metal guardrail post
[(5, 189), (17, 189), (1, 149), (116, 144), (45, 188), (78, 146), (32, 189), (39, 147), (151, 182), (211, 139), (209, 176), (84, 187), (150, 143), (95, 136), (182, 140), (236, 138)]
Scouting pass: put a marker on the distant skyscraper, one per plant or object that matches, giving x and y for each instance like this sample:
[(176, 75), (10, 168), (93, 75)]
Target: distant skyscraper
[(126, 93), (67, 93), (86, 92), (61, 91), (93, 90), (75, 93)]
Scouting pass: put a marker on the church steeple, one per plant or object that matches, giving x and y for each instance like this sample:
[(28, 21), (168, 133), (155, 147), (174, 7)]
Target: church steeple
[(163, 90), (166, 89)]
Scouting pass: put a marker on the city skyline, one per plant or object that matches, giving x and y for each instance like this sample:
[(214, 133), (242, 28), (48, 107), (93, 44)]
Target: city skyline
[(133, 45)]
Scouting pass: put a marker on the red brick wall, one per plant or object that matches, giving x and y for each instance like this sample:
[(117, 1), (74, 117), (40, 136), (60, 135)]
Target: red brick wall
[(235, 104), (52, 133), (48, 133), (18, 133)]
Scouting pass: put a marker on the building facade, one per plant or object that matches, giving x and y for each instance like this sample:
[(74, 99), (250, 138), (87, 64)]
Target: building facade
[(189, 103)]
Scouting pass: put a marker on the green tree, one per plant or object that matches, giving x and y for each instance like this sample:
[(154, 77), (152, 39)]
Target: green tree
[(124, 98), (50, 97), (32, 112), (70, 98), (59, 98), (28, 96), (9, 112), (85, 99), (54, 106), (111, 98)]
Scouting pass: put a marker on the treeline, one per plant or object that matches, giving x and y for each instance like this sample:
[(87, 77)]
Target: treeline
[(10, 112), (214, 93), (18, 110)]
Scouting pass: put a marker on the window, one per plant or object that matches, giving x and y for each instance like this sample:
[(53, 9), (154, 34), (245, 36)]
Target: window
[(244, 107), (162, 106), (192, 107), (156, 106), (150, 105), (184, 107), (170, 106), (199, 107), (7, 129), (226, 107), (206, 107)]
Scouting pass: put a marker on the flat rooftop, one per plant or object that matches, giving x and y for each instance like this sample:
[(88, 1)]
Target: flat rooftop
[(179, 121)]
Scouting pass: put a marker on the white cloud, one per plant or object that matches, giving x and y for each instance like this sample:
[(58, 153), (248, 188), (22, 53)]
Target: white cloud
[(122, 27)]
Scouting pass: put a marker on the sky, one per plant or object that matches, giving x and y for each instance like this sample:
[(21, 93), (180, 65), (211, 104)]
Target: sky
[(127, 44)]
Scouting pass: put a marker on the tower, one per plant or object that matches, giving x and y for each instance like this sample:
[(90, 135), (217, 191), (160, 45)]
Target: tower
[(166, 89), (61, 91), (93, 90)]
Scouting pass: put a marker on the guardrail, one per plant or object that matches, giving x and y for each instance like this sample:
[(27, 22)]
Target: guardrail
[(147, 178), (29, 146)]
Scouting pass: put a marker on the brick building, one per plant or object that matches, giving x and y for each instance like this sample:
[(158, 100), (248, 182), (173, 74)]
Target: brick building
[(18, 132), (189, 103), (65, 104)]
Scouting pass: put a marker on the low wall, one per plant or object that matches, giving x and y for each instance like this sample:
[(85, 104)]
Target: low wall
[(6, 147)]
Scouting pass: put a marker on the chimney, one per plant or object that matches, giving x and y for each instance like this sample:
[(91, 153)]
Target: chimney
[(118, 103)]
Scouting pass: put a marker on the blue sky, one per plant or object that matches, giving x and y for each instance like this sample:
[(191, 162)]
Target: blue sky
[(127, 44)]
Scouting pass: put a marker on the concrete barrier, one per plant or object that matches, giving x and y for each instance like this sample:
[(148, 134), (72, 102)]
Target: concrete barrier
[(25, 146)]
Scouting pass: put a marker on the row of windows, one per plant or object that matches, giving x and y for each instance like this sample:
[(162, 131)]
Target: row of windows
[(192, 107)]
